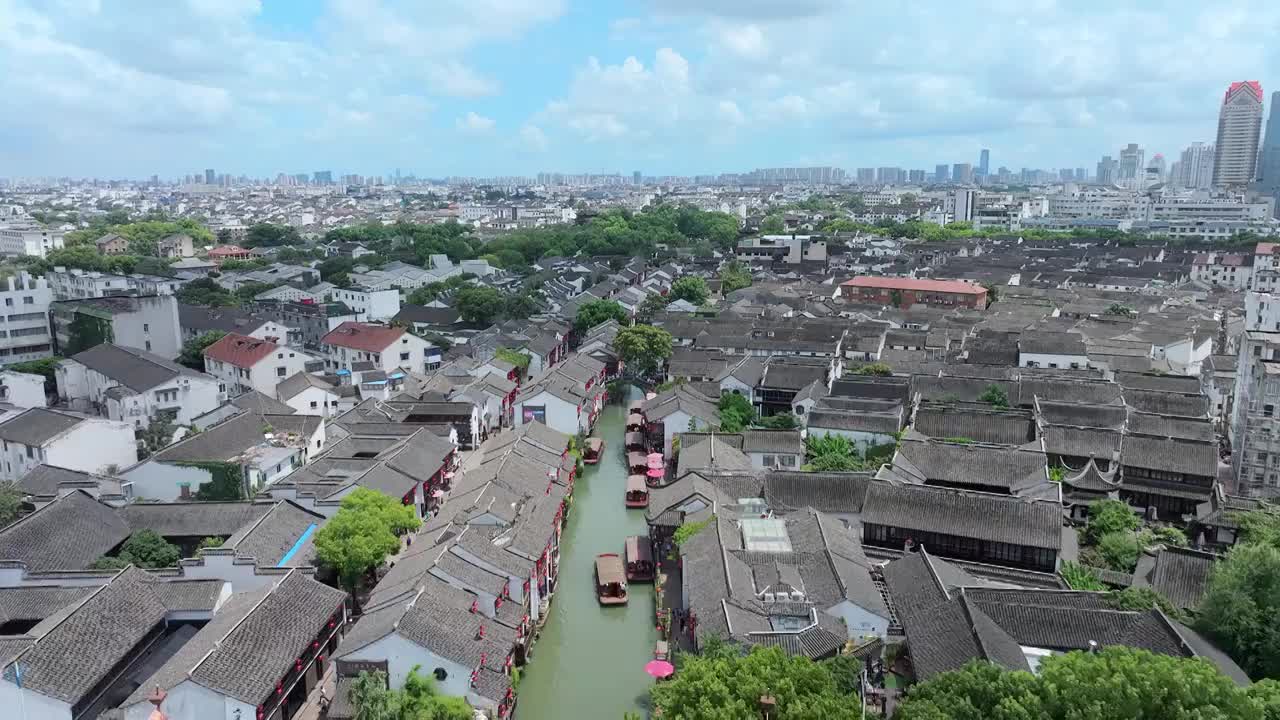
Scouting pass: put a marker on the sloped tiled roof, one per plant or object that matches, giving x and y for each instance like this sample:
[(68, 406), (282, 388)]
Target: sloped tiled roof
[(240, 350)]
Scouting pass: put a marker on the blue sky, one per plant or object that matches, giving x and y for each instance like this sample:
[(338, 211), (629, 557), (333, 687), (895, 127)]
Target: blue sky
[(485, 87)]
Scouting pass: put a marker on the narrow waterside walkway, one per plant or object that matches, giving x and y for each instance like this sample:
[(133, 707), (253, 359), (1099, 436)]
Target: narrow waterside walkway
[(589, 661)]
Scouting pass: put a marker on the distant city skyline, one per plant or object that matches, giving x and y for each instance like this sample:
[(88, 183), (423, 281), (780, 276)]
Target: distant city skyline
[(514, 87)]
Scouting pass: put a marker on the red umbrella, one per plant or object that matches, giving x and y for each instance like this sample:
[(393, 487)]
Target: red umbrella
[(659, 668), (656, 472)]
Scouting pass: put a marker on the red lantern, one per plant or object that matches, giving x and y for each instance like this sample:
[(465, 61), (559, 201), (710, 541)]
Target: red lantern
[(315, 644), (480, 633), (483, 657), (297, 665), (320, 658), (261, 712), (475, 606)]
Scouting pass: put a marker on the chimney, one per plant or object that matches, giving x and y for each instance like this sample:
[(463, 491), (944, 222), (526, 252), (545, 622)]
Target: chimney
[(1093, 646)]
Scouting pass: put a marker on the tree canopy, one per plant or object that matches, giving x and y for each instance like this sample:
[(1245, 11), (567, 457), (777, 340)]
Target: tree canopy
[(143, 236), (362, 534), (10, 502), (722, 684), (734, 276), (995, 396), (1115, 683), (832, 453), (269, 235), (1240, 607), (146, 549), (650, 308), (691, 289), (206, 292), (480, 305), (736, 413), (591, 314), (418, 700), (192, 354), (643, 348)]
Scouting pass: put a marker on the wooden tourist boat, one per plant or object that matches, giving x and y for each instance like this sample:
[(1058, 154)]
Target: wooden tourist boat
[(611, 580), (639, 556), (635, 421), (637, 492), (592, 452), (635, 441), (637, 464)]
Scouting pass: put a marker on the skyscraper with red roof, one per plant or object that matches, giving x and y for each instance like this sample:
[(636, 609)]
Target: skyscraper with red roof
[(1239, 125)]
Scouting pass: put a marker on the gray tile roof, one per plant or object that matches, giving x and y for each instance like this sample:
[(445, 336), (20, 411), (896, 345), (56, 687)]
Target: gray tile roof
[(965, 514), (772, 441), (135, 369), (823, 418), (1014, 470), (1080, 441), (273, 633), (977, 424), (231, 439), (1164, 426), (35, 603), (277, 533), (85, 646), (193, 519), (824, 491), (1082, 415), (40, 540), (37, 426), (1176, 573), (1170, 455), (1166, 403)]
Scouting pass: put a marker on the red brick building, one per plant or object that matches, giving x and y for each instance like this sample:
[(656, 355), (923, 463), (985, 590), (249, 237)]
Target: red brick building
[(905, 292)]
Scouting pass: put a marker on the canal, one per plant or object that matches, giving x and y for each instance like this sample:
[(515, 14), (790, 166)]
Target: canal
[(589, 662)]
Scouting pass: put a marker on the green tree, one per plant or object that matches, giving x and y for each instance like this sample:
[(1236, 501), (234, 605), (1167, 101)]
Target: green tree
[(877, 368), (206, 292), (781, 421), (419, 700), (643, 348), (832, 453), (649, 309), (591, 314), (144, 548), (1120, 550), (210, 542), (1256, 526), (192, 354), (1079, 577), (734, 276), (1107, 517), (519, 306), (1116, 682), (691, 289), (480, 305), (11, 497), (269, 235), (1240, 607), (1142, 598), (45, 367), (773, 225), (995, 396), (362, 534), (736, 413), (725, 685)]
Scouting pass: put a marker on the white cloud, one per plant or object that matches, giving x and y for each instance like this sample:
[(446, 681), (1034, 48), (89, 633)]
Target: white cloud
[(746, 41), (532, 138), (473, 124), (730, 113)]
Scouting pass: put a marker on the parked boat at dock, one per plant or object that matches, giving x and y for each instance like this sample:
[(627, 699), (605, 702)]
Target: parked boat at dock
[(611, 580)]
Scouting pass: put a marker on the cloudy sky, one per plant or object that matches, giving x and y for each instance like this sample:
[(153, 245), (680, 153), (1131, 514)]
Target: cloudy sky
[(128, 88)]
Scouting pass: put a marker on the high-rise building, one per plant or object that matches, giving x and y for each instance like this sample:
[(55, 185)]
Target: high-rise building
[(961, 205), (941, 173), (1081, 174), (1130, 162), (866, 176), (889, 175), (984, 162), (916, 177), (1195, 167), (1239, 124), (636, 177), (323, 177), (962, 173), (209, 176), (1269, 159), (1106, 173)]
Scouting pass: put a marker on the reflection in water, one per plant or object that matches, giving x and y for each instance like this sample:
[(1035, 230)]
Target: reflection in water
[(589, 662)]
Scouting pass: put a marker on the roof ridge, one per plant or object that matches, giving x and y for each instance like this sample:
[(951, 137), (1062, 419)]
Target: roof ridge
[(218, 643)]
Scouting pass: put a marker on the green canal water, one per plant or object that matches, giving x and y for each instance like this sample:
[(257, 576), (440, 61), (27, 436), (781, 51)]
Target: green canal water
[(589, 662)]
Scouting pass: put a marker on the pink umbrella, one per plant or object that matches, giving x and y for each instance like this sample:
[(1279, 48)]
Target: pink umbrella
[(437, 493), (659, 668), (655, 472), (654, 458)]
